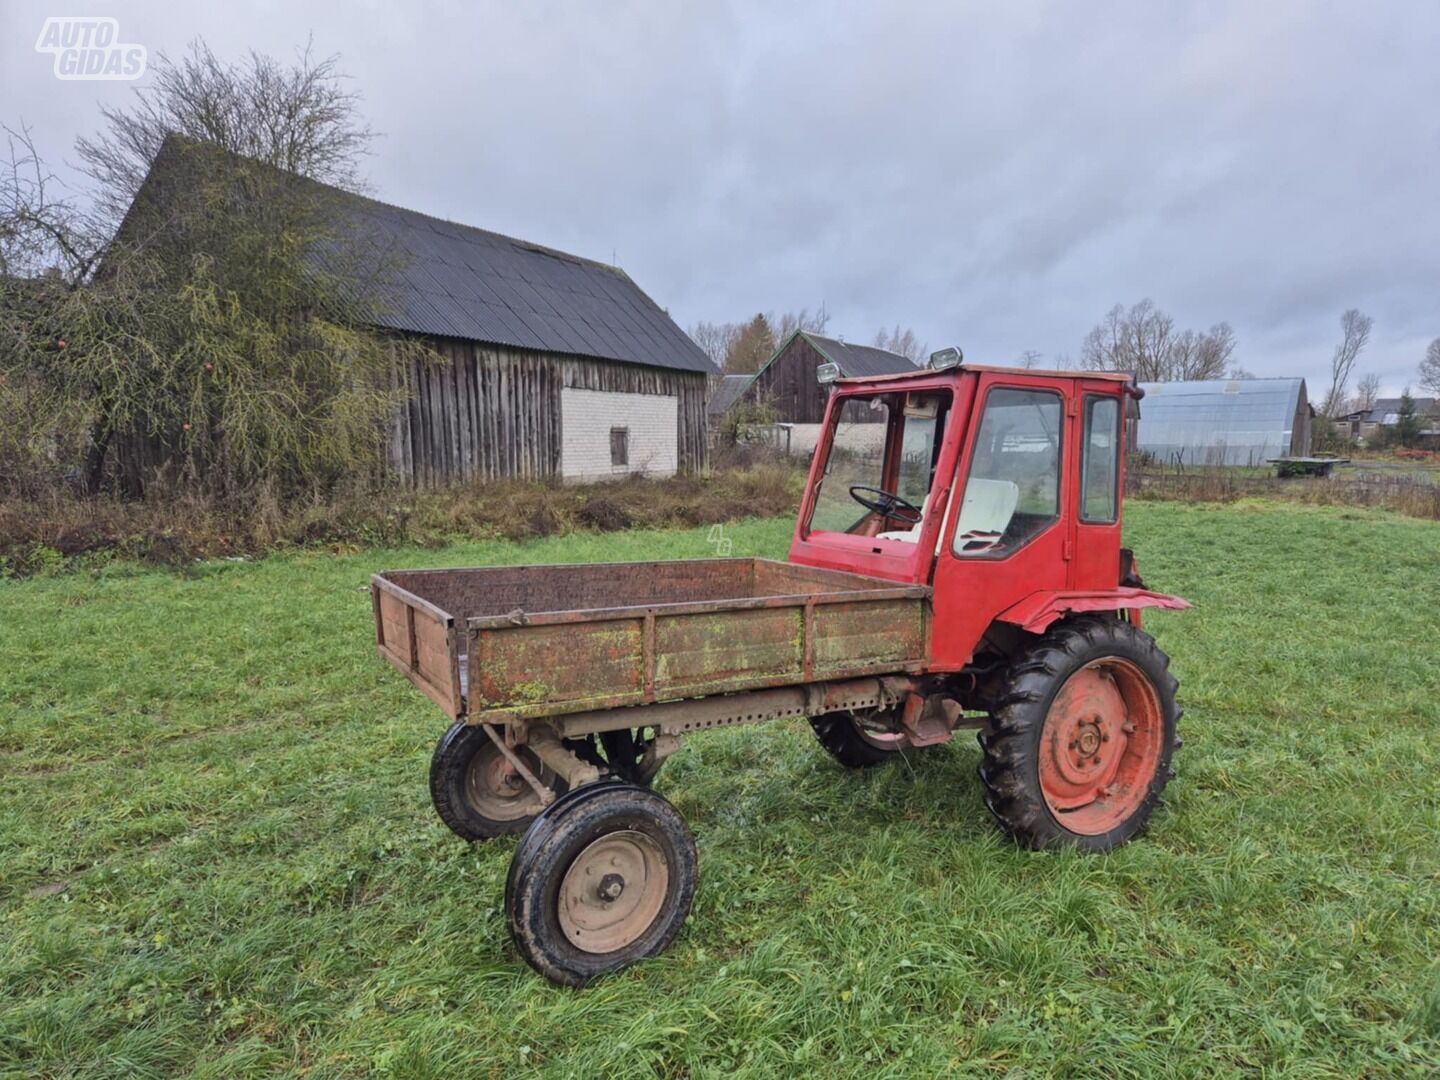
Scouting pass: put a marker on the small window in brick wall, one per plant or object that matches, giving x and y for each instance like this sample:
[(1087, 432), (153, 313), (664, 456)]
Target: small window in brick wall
[(619, 446)]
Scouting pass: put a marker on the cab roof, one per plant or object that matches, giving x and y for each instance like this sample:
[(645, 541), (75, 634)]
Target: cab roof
[(923, 373)]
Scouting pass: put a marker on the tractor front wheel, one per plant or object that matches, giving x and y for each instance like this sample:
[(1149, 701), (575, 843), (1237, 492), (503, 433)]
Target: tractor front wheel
[(1080, 744)]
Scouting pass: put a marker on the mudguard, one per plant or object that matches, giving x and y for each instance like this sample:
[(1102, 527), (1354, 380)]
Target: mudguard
[(1038, 610)]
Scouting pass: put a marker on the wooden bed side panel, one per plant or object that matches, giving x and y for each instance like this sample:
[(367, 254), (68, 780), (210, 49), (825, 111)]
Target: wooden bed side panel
[(560, 663), (868, 632), (697, 650)]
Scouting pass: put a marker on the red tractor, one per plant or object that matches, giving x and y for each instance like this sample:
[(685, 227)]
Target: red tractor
[(956, 562)]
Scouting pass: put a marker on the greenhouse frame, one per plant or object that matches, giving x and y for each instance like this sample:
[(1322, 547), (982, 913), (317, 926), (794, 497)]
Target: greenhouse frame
[(1224, 421)]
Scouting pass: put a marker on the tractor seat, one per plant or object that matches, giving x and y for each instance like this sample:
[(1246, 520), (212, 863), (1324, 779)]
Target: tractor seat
[(984, 515)]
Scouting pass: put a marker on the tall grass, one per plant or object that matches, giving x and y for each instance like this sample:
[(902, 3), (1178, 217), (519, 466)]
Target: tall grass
[(58, 529)]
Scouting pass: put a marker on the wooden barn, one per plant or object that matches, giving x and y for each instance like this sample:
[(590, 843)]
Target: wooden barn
[(787, 380), (556, 365), (553, 365)]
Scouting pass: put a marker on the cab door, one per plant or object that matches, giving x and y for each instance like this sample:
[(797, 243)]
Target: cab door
[(1096, 562), (1007, 530)]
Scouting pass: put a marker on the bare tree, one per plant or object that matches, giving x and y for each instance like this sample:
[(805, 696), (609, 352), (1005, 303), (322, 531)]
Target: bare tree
[(300, 117), (715, 339), (791, 321), (902, 341), (1366, 394), (1355, 328), (1143, 339), (1430, 368), (1029, 358)]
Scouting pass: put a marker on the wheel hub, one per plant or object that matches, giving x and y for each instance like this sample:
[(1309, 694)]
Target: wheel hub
[(1100, 746), (495, 788), (613, 891)]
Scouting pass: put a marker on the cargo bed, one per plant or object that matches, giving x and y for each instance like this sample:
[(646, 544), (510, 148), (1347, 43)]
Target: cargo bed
[(513, 642)]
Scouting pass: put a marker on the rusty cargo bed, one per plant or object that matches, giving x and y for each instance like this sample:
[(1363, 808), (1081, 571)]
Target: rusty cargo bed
[(514, 642)]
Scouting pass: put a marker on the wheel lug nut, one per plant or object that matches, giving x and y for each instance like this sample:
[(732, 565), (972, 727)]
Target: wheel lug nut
[(1128, 728)]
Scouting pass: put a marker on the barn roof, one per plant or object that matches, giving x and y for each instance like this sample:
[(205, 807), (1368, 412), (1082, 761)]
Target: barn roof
[(856, 361), (1220, 422), (445, 279)]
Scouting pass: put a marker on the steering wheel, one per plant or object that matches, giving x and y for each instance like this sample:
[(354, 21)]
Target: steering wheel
[(888, 505)]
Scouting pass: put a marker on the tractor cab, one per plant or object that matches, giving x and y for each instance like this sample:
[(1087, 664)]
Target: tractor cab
[(995, 486)]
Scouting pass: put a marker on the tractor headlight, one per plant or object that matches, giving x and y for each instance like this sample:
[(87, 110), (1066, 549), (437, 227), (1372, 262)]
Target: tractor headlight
[(945, 359), (827, 373)]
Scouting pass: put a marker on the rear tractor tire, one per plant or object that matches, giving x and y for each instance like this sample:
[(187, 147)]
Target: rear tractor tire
[(1080, 744), (603, 878), (850, 743), (477, 791)]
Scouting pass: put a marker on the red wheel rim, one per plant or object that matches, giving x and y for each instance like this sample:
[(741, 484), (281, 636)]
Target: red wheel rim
[(1100, 746)]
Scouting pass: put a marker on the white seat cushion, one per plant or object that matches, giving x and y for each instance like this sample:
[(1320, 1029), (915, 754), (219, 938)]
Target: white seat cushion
[(985, 514)]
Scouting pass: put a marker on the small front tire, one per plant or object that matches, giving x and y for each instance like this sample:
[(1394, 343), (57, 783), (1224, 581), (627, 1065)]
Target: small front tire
[(602, 879)]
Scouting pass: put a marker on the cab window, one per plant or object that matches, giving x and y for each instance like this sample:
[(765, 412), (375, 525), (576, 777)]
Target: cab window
[(877, 477), (1100, 462), (1012, 492)]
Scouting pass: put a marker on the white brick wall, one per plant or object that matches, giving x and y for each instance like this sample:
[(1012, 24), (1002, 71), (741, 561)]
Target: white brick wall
[(586, 417)]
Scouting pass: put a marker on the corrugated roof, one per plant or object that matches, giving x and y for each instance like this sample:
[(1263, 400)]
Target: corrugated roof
[(446, 279), (726, 393), (859, 360), (1220, 422), (1386, 408)]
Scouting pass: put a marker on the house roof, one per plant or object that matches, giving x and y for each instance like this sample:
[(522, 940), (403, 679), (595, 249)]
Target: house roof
[(726, 393), (458, 281), (1386, 410)]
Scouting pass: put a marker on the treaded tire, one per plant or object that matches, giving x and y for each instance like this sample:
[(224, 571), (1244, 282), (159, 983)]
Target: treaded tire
[(1012, 747), (841, 738), (557, 839), (453, 796)]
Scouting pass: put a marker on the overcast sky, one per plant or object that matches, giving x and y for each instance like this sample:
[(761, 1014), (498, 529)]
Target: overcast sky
[(996, 175)]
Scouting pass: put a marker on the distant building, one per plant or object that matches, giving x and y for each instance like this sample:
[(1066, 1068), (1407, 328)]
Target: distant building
[(1224, 421), (1363, 424), (787, 381)]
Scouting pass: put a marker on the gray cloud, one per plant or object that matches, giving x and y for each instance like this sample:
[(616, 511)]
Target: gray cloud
[(994, 175)]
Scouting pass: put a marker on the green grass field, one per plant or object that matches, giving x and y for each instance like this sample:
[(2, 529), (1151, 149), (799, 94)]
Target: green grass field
[(217, 855)]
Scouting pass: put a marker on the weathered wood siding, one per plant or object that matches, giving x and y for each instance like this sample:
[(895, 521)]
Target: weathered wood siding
[(789, 386), (486, 411)]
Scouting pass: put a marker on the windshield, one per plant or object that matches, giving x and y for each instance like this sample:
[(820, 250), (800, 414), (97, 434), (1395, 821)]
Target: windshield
[(876, 480)]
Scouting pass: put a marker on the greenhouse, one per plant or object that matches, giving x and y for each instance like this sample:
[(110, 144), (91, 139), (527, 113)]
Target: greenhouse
[(1224, 422)]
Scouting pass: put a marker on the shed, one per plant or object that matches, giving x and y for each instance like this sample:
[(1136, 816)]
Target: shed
[(1224, 422), (554, 365)]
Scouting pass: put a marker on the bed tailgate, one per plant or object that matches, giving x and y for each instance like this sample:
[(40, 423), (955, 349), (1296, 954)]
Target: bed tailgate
[(420, 641)]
